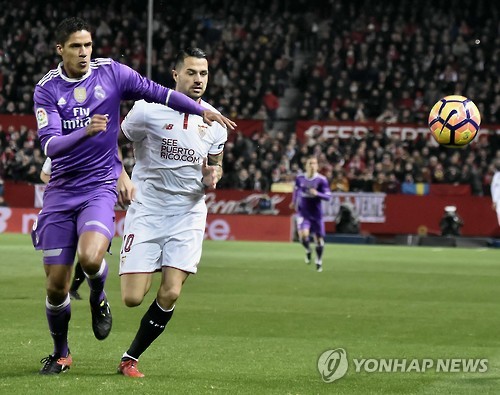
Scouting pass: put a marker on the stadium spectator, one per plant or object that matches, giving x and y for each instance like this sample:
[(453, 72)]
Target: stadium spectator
[(339, 182), (258, 182)]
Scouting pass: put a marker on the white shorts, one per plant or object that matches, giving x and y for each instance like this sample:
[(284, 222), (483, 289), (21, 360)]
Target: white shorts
[(153, 241)]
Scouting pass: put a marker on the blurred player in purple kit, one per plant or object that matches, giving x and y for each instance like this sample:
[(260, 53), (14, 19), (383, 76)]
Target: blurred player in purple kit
[(177, 157), (77, 108), (309, 191)]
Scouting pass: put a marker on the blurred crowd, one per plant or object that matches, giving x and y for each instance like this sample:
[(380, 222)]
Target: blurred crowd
[(350, 60), (391, 61), (375, 164)]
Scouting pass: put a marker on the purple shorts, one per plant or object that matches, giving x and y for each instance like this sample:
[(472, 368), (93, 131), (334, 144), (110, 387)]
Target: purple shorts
[(315, 226), (59, 225)]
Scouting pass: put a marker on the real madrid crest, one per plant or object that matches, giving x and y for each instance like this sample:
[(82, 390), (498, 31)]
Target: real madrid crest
[(99, 92), (80, 94)]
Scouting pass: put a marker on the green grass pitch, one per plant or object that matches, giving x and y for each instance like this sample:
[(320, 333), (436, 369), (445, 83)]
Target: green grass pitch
[(255, 319)]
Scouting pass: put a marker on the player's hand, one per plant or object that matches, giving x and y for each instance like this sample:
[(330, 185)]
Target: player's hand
[(126, 190), (210, 116), (97, 124), (211, 174), (313, 192)]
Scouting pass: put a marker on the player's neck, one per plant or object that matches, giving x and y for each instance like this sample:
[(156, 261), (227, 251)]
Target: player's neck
[(196, 99)]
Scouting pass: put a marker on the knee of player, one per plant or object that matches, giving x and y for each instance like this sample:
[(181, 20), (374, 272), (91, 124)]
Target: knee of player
[(57, 294), (91, 262), (167, 297), (57, 281), (90, 257), (132, 300)]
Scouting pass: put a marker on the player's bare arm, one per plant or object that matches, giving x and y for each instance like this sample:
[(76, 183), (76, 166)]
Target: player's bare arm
[(44, 177), (124, 185), (216, 160), (212, 170), (126, 189), (210, 116)]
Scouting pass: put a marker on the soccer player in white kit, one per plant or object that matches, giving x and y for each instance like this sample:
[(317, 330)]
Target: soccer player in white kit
[(495, 189), (177, 157)]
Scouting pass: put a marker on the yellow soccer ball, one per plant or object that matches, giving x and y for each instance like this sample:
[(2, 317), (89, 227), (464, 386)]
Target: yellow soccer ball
[(454, 121)]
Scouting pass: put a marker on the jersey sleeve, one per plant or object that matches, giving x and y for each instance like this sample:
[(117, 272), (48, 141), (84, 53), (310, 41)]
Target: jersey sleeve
[(219, 141), (47, 117), (136, 87), (324, 189), (133, 126)]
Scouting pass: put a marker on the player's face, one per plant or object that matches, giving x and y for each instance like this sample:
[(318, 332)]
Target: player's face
[(76, 52), (311, 166), (192, 78)]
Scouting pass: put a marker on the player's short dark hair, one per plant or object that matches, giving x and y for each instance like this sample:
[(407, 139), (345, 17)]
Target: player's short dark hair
[(69, 26), (186, 53)]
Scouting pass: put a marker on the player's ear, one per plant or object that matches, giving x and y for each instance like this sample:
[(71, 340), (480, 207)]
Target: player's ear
[(175, 75), (59, 49)]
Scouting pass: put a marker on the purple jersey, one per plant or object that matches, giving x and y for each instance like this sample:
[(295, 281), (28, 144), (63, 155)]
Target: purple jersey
[(65, 105), (309, 206)]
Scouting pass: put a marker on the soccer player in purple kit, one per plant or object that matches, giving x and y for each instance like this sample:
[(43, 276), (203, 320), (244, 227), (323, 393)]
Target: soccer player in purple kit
[(309, 191), (77, 107)]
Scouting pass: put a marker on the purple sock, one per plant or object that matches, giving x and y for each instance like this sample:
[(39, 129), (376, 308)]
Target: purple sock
[(58, 318), (96, 283)]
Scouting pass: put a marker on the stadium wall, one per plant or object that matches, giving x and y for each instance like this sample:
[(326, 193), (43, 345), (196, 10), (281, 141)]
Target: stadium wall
[(324, 130), (219, 227), (379, 214)]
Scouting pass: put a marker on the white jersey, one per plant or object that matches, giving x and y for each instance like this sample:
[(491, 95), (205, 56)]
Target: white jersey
[(495, 188), (495, 193), (169, 149)]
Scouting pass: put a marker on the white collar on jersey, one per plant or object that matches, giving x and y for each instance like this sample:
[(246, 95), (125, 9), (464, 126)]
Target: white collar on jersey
[(63, 75), (313, 176)]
